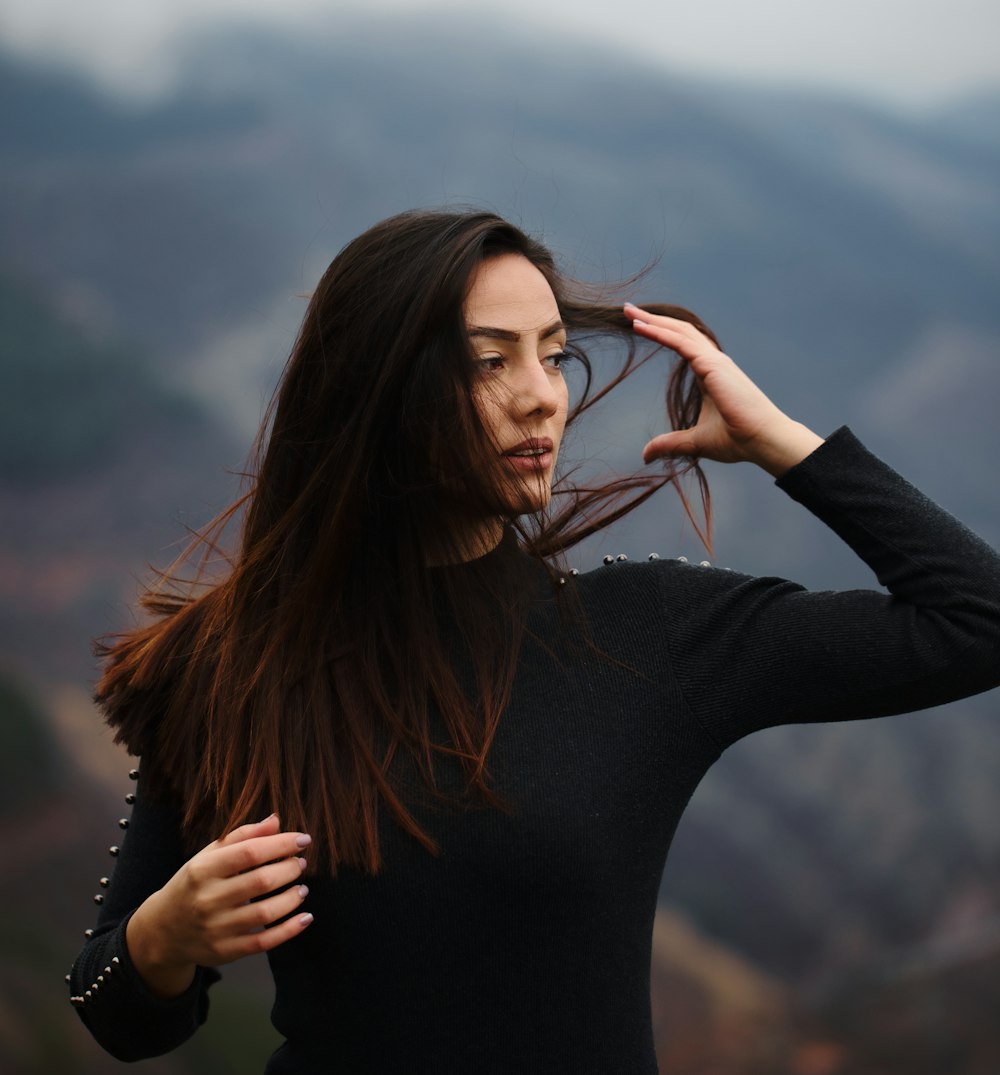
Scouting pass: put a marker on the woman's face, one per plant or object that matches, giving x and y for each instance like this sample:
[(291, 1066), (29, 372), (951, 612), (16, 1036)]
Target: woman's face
[(518, 338)]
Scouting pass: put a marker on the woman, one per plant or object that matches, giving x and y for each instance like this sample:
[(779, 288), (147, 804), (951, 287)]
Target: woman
[(475, 759)]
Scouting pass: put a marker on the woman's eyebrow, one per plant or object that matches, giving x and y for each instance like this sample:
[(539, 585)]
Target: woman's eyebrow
[(508, 334)]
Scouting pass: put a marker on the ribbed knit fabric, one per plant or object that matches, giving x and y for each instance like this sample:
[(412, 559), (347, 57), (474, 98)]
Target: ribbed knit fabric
[(524, 947)]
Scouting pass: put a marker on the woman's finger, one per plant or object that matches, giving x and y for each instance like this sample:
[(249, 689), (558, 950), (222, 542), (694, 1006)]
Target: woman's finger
[(637, 312), (259, 926), (259, 882), (673, 332), (682, 442), (264, 940), (270, 825), (263, 913), (251, 853)]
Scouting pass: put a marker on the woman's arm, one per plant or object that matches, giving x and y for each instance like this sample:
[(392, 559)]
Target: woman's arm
[(124, 1015), (140, 984), (753, 652)]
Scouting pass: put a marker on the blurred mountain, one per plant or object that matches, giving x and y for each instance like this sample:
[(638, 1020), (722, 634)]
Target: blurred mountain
[(151, 269), (101, 465), (813, 234)]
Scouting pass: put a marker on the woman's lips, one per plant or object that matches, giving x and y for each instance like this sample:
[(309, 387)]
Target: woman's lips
[(531, 455)]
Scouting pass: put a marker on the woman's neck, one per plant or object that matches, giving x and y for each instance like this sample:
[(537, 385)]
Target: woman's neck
[(468, 539)]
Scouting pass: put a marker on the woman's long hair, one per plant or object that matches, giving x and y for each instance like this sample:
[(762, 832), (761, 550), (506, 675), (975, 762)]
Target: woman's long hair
[(315, 671)]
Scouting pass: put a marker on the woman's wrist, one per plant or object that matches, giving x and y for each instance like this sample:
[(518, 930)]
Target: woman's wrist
[(164, 978), (783, 446)]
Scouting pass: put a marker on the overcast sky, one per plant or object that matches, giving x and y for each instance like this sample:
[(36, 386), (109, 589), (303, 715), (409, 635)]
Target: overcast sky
[(914, 53)]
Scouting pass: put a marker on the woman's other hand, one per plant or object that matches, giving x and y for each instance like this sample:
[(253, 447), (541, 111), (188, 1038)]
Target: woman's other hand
[(738, 422), (220, 906)]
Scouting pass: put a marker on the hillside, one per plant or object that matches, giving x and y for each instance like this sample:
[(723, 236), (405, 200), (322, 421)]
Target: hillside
[(101, 468), (150, 278)]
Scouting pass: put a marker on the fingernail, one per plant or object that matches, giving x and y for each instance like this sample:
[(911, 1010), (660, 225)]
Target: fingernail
[(268, 818), (302, 864), (303, 891), (637, 323), (305, 919), (303, 840)]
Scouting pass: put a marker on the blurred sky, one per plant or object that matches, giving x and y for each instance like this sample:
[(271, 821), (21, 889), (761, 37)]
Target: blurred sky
[(909, 53)]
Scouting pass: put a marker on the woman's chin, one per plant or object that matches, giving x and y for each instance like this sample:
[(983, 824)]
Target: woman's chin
[(528, 498)]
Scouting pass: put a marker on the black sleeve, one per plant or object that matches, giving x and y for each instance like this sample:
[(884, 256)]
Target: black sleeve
[(124, 1017), (753, 652)]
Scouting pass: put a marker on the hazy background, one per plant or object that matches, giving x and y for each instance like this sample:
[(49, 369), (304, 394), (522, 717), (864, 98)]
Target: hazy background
[(911, 53), (819, 181)]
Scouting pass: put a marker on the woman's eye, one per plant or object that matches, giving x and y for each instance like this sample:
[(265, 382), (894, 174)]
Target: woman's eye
[(556, 360), (489, 363)]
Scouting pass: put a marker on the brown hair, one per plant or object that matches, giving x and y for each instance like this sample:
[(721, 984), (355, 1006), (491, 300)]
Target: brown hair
[(302, 680)]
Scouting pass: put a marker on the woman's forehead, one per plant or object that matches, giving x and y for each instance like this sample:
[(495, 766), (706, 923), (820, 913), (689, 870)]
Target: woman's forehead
[(511, 294)]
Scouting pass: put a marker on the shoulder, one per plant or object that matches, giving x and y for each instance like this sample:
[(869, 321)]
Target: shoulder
[(617, 573), (652, 591)]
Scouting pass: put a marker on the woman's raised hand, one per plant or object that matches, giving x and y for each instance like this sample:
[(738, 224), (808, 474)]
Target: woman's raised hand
[(220, 906), (738, 422)]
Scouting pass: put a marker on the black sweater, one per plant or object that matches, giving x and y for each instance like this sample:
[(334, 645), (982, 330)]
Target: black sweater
[(525, 945)]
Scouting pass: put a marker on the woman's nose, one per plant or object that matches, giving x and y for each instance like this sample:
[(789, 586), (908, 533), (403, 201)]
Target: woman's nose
[(535, 391)]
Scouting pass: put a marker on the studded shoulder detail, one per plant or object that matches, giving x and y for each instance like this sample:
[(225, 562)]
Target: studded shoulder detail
[(610, 560)]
